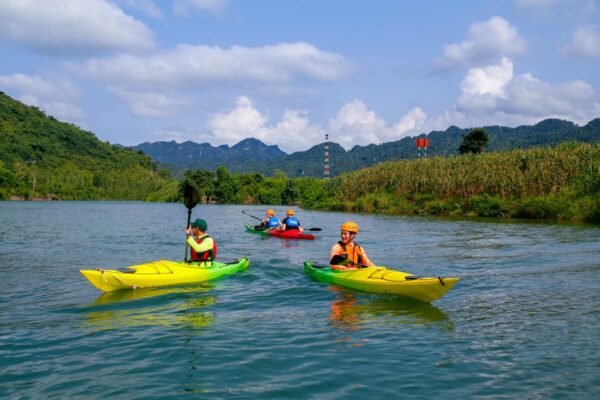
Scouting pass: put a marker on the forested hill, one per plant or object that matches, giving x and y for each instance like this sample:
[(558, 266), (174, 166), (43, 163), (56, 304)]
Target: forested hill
[(43, 158), (251, 155)]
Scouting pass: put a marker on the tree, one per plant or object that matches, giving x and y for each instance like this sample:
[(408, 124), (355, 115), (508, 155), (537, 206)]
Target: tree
[(474, 141)]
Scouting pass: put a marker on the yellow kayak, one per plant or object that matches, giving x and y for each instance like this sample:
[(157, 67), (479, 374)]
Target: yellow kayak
[(160, 273), (383, 280)]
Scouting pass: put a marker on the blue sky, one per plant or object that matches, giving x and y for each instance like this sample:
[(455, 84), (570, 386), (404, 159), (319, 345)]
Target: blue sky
[(286, 72)]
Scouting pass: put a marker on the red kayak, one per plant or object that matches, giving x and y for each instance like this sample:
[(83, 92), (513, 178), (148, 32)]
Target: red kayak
[(291, 234)]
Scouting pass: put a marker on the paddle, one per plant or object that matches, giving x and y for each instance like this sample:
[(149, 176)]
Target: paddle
[(190, 199), (243, 212), (339, 260)]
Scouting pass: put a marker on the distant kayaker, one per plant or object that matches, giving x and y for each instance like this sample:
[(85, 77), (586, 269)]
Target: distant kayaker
[(347, 254), (270, 221), (203, 248), (291, 223)]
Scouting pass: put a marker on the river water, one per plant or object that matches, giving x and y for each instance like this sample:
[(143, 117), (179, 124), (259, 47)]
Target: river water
[(523, 322)]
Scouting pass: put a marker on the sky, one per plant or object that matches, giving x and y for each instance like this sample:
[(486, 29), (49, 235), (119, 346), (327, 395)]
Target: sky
[(287, 72)]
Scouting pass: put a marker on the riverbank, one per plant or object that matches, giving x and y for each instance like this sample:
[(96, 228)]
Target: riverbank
[(554, 183)]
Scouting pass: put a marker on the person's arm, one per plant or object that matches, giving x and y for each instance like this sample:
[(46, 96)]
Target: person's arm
[(207, 244), (366, 260), (335, 250), (300, 228)]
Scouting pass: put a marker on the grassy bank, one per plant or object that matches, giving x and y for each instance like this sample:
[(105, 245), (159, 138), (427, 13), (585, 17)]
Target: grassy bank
[(557, 183)]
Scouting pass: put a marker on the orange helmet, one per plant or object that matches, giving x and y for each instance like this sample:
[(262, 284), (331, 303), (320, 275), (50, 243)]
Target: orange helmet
[(271, 212), (290, 212), (350, 227)]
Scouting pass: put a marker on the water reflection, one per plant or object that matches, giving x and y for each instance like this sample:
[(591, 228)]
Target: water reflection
[(351, 311), (145, 293), (169, 307)]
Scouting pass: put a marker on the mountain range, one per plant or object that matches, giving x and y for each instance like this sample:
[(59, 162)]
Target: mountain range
[(252, 155)]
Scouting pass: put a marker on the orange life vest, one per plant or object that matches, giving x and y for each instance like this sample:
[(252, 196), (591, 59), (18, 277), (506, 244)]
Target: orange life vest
[(355, 254), (208, 255)]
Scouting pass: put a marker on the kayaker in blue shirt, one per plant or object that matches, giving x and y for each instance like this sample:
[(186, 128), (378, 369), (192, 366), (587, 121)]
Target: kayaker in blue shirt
[(203, 248), (291, 223), (270, 221)]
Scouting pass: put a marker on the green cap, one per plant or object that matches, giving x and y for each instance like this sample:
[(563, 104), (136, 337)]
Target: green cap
[(200, 224)]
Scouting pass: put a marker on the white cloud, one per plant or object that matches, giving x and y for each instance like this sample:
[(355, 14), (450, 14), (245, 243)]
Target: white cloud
[(243, 121), (494, 94), (585, 42), (491, 79), (203, 65), (55, 97), (354, 124), (182, 7), (149, 104), (72, 26), (292, 133), (40, 87), (486, 42)]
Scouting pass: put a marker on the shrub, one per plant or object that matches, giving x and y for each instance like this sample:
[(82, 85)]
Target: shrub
[(487, 206), (541, 208)]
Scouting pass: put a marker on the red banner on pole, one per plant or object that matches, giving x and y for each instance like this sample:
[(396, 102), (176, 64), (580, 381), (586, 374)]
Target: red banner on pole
[(422, 142)]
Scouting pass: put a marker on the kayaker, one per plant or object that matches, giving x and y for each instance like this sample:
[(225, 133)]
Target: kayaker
[(291, 223), (270, 221), (203, 248), (347, 254)]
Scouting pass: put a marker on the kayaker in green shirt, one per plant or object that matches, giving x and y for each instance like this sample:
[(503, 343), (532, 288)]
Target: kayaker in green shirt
[(203, 248)]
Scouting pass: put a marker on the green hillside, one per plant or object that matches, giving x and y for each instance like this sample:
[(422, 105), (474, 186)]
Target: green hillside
[(43, 158)]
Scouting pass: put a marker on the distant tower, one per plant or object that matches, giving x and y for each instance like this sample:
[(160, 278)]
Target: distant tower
[(326, 165)]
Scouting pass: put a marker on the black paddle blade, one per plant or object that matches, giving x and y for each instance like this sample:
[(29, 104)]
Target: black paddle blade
[(314, 229), (190, 196)]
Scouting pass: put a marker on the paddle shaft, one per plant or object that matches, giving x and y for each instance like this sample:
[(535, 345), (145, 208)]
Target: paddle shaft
[(245, 213), (190, 199), (187, 226)]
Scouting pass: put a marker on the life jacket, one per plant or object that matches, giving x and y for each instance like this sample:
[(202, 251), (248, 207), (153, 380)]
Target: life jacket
[(355, 256), (208, 255), (291, 223), (272, 222)]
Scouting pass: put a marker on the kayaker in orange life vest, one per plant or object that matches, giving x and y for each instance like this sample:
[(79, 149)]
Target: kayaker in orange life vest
[(347, 254), (203, 248), (291, 223)]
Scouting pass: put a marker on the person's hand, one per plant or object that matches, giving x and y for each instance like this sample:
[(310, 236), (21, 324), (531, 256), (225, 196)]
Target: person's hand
[(188, 230)]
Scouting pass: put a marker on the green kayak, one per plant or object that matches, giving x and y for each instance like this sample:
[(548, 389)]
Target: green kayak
[(252, 229), (383, 280)]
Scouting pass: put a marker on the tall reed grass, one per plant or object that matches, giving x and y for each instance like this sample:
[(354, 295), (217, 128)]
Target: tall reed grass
[(560, 182), (511, 174)]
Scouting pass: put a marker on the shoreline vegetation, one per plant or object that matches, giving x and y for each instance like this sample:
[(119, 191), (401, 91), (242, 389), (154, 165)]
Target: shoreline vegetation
[(560, 183)]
